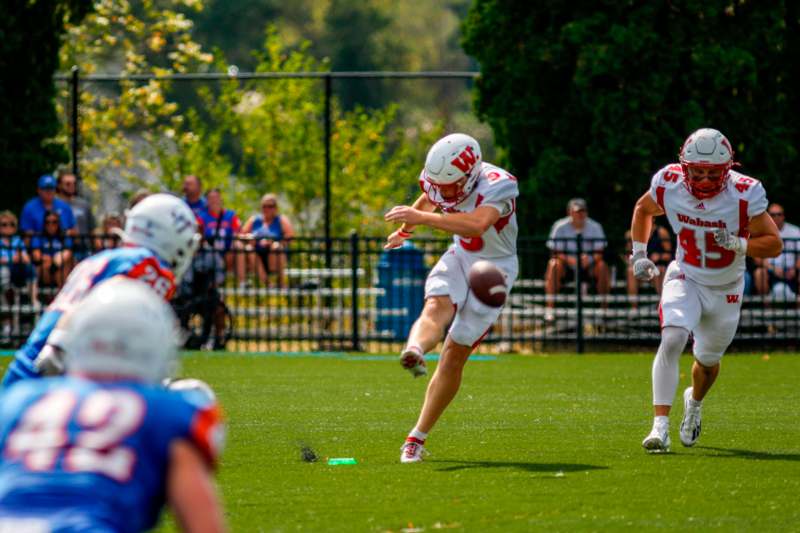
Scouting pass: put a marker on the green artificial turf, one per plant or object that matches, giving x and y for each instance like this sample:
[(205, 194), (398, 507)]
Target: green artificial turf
[(530, 443)]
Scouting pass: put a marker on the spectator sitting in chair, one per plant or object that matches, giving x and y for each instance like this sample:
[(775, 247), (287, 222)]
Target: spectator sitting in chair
[(32, 218), (659, 250), (271, 232), (12, 249), (16, 271), (67, 190), (563, 248), (105, 236), (220, 226), (52, 252), (782, 269)]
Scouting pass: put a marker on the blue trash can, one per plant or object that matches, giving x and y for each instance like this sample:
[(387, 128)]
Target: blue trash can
[(401, 274)]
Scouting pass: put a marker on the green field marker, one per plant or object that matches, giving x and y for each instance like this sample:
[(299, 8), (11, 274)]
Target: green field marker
[(335, 461)]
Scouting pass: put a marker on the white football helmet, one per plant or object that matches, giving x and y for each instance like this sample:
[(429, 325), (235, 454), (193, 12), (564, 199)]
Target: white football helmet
[(122, 329), (453, 159), (706, 148), (200, 391), (166, 225)]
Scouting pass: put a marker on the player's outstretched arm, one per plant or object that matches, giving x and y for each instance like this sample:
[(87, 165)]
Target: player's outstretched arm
[(642, 221), (641, 226), (765, 238), (397, 237), (473, 224), (191, 492)]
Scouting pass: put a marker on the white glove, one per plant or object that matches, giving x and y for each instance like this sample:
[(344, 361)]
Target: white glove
[(729, 241), (50, 361), (643, 268)]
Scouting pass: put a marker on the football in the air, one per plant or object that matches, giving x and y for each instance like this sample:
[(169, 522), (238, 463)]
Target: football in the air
[(488, 283)]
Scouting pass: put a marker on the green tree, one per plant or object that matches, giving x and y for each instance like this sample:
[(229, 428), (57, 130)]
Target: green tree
[(130, 131), (589, 98), (275, 129), (248, 137), (31, 36)]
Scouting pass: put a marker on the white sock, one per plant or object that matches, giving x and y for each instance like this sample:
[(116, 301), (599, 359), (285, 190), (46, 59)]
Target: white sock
[(666, 364), (661, 421), (419, 435)]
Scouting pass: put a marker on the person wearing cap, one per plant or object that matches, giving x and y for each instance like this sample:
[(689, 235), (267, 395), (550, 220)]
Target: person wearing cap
[(563, 249), (33, 213)]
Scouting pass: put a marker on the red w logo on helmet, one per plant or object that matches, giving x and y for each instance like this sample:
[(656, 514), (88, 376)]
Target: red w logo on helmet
[(465, 160)]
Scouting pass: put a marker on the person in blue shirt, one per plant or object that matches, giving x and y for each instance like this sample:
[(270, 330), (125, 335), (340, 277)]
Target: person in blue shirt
[(159, 240), (16, 271), (14, 260), (52, 251), (32, 218), (193, 194), (220, 227), (105, 447), (271, 233)]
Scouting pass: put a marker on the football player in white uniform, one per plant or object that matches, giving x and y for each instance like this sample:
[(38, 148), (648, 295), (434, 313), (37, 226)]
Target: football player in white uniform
[(477, 201), (719, 216)]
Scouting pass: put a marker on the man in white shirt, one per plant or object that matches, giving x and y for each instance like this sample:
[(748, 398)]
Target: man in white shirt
[(781, 269), (563, 247)]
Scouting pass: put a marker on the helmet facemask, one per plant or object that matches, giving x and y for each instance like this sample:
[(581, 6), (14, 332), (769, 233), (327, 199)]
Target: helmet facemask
[(706, 154), (458, 191), (709, 183), (183, 257)]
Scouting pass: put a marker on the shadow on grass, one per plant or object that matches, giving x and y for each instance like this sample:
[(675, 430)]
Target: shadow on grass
[(527, 467), (749, 454)]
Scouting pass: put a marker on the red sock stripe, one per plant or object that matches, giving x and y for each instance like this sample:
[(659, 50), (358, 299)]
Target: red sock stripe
[(414, 440)]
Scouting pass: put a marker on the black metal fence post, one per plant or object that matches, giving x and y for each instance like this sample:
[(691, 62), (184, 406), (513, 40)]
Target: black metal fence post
[(356, 325), (578, 294), (328, 89), (74, 99)]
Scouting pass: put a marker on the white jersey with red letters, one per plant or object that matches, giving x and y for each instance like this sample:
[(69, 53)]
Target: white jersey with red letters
[(694, 221), (496, 188)]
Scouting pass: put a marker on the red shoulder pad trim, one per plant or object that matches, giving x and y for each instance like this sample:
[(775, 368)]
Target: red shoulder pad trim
[(205, 432), (744, 220)]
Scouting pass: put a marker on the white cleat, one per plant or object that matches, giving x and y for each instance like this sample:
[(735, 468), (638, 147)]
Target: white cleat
[(658, 440), (414, 363), (690, 425), (412, 451)]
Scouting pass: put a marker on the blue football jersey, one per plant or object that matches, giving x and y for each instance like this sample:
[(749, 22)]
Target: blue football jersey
[(84, 455), (133, 262)]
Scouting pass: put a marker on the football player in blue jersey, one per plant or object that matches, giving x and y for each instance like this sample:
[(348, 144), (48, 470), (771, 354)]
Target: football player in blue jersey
[(106, 446), (159, 240)]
